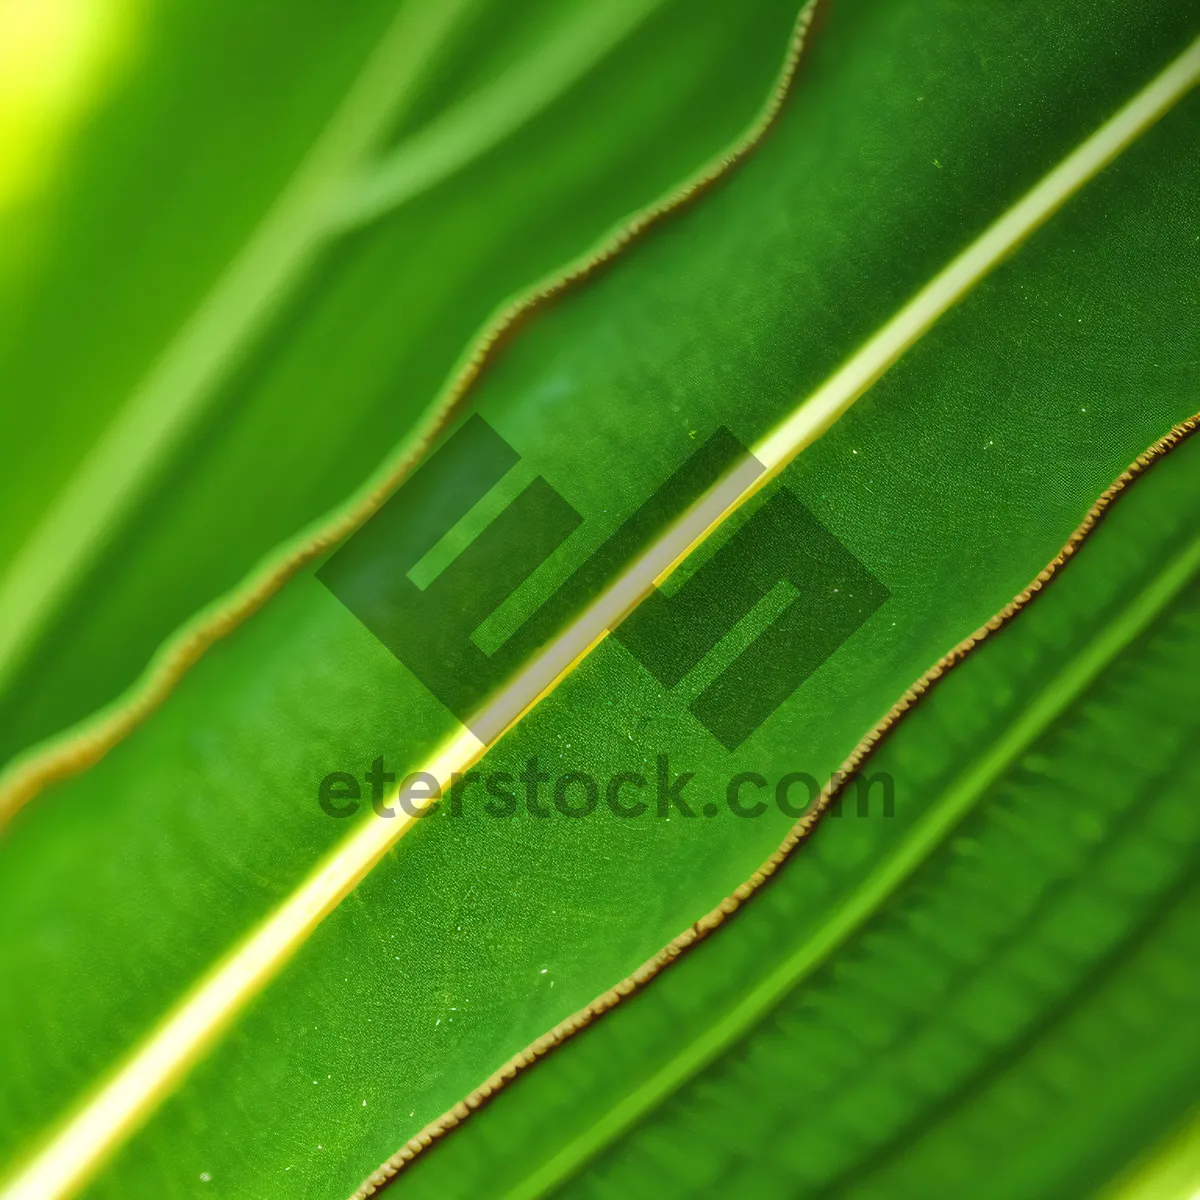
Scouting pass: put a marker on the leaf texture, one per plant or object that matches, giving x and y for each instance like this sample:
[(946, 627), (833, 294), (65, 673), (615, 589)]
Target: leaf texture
[(1002, 974), (913, 127)]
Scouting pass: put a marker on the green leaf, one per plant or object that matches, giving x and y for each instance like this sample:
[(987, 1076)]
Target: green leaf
[(267, 224), (218, 987), (1002, 974)]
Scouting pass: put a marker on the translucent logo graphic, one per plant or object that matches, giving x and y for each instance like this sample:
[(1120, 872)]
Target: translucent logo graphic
[(782, 558)]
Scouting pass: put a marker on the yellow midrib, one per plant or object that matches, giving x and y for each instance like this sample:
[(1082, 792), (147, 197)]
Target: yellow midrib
[(149, 1073)]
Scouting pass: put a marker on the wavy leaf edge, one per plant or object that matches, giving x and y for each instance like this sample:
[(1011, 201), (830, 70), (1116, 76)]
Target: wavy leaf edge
[(800, 832), (82, 745)]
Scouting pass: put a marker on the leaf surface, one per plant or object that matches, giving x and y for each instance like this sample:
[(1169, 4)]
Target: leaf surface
[(1003, 973), (952, 481)]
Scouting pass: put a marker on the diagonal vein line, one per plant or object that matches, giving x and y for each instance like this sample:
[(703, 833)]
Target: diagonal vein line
[(331, 193), (946, 288), (467, 131), (955, 802), (120, 1104), (172, 397), (1170, 1170)]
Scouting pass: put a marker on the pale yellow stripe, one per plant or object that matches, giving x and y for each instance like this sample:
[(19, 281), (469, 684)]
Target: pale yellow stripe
[(112, 1113), (122, 1104), (953, 282), (822, 408), (1170, 1171)]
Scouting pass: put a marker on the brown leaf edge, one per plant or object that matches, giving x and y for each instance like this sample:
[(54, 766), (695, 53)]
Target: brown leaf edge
[(84, 744), (799, 833)]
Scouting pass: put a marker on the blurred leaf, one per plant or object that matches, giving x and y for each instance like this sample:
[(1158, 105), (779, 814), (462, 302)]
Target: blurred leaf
[(914, 126), (254, 322)]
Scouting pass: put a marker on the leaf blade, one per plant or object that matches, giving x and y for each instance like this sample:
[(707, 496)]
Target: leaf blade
[(695, 883)]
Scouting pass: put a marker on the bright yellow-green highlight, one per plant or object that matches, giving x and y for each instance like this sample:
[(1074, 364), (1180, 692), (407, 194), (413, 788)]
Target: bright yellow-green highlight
[(55, 56)]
